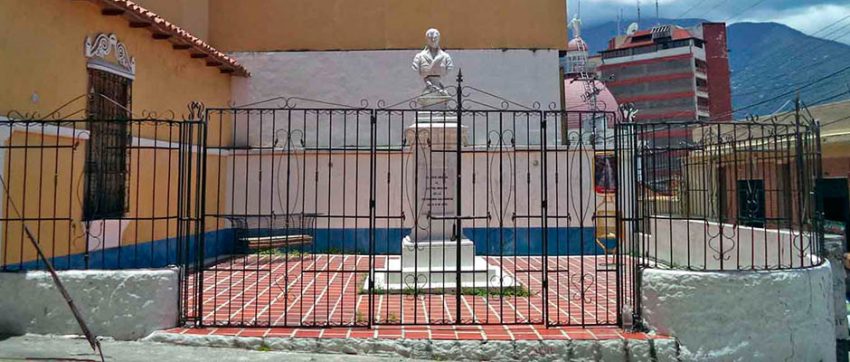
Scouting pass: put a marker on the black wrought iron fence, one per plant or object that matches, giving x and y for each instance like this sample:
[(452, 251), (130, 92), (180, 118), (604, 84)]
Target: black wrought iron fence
[(93, 199), (434, 214), (447, 211), (717, 196), (724, 195)]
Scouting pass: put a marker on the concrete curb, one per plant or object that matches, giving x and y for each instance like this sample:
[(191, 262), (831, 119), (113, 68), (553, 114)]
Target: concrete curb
[(123, 304), (632, 350)]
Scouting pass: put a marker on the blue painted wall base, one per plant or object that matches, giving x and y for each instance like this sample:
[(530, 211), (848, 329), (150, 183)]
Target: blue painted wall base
[(488, 242)]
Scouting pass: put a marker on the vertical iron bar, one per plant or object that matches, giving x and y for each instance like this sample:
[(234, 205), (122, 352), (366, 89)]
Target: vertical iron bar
[(458, 168), (372, 195), (544, 230), (800, 171)]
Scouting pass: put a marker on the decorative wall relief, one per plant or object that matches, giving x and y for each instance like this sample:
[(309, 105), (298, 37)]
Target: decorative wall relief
[(104, 44)]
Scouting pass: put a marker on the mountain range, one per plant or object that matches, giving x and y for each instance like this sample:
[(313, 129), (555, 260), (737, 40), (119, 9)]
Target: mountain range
[(768, 60)]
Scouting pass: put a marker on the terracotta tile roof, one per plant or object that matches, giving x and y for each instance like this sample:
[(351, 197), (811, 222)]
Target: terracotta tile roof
[(180, 39)]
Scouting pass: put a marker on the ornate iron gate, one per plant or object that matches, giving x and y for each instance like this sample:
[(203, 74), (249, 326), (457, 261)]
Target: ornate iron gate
[(455, 213)]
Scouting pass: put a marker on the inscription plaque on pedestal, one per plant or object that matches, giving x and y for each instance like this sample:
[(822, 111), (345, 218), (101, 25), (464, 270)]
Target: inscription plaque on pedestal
[(439, 192)]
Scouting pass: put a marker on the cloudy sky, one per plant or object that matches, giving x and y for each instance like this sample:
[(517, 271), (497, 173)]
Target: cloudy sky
[(809, 16)]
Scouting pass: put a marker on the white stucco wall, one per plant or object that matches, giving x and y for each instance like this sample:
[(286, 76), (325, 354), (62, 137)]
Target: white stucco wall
[(345, 77), (349, 77), (714, 246), (123, 304), (337, 183), (743, 316)]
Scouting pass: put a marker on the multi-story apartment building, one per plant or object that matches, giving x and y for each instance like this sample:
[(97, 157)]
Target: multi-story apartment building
[(671, 73)]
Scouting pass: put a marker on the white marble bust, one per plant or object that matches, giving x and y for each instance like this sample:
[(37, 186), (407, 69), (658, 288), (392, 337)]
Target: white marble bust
[(433, 63)]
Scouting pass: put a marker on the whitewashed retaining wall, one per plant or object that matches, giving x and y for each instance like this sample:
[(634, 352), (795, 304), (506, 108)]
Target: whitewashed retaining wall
[(123, 304), (743, 316), (834, 245), (710, 245)]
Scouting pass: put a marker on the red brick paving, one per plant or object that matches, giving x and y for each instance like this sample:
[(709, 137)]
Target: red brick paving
[(273, 297), (508, 332), (325, 290)]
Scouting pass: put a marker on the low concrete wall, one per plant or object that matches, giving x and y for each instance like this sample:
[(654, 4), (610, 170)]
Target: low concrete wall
[(123, 304), (710, 245), (746, 316), (834, 245), (632, 350)]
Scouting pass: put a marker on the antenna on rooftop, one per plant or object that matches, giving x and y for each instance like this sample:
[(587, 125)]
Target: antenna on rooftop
[(657, 14), (619, 19), (638, 12)]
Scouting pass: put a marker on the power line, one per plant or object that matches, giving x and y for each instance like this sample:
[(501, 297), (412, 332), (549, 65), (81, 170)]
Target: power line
[(829, 98), (809, 84), (704, 13), (745, 10), (834, 121), (697, 3), (799, 54), (782, 75), (802, 74), (716, 7)]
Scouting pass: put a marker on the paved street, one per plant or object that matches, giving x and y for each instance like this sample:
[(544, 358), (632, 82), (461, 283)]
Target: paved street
[(62, 348)]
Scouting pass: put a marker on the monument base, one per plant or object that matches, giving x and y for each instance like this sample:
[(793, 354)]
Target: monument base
[(433, 102), (432, 266)]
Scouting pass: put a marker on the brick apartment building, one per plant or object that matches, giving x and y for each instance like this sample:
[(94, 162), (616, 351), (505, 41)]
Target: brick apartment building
[(671, 74)]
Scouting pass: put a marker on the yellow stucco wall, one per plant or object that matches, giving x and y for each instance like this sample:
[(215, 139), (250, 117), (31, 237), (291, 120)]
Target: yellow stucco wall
[(45, 56), (191, 15), (49, 184), (30, 178), (269, 25)]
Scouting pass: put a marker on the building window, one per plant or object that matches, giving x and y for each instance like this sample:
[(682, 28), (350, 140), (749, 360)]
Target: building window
[(109, 136), (751, 203)]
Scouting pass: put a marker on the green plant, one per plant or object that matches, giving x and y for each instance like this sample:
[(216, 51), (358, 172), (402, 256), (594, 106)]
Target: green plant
[(333, 250), (264, 348), (289, 254), (516, 291), (359, 317), (364, 287), (392, 318)]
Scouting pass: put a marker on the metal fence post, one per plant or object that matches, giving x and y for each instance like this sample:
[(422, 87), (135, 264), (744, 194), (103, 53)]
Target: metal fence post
[(372, 205), (458, 210)]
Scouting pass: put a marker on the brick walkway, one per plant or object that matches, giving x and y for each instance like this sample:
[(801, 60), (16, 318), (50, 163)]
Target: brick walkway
[(481, 333), (276, 296)]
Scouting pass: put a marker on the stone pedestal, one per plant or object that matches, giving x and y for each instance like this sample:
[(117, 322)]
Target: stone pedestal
[(432, 259)]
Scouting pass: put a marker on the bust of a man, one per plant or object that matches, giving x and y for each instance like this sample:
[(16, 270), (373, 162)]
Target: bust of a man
[(432, 63)]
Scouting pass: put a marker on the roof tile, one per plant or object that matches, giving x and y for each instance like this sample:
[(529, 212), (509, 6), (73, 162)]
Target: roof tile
[(159, 25)]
